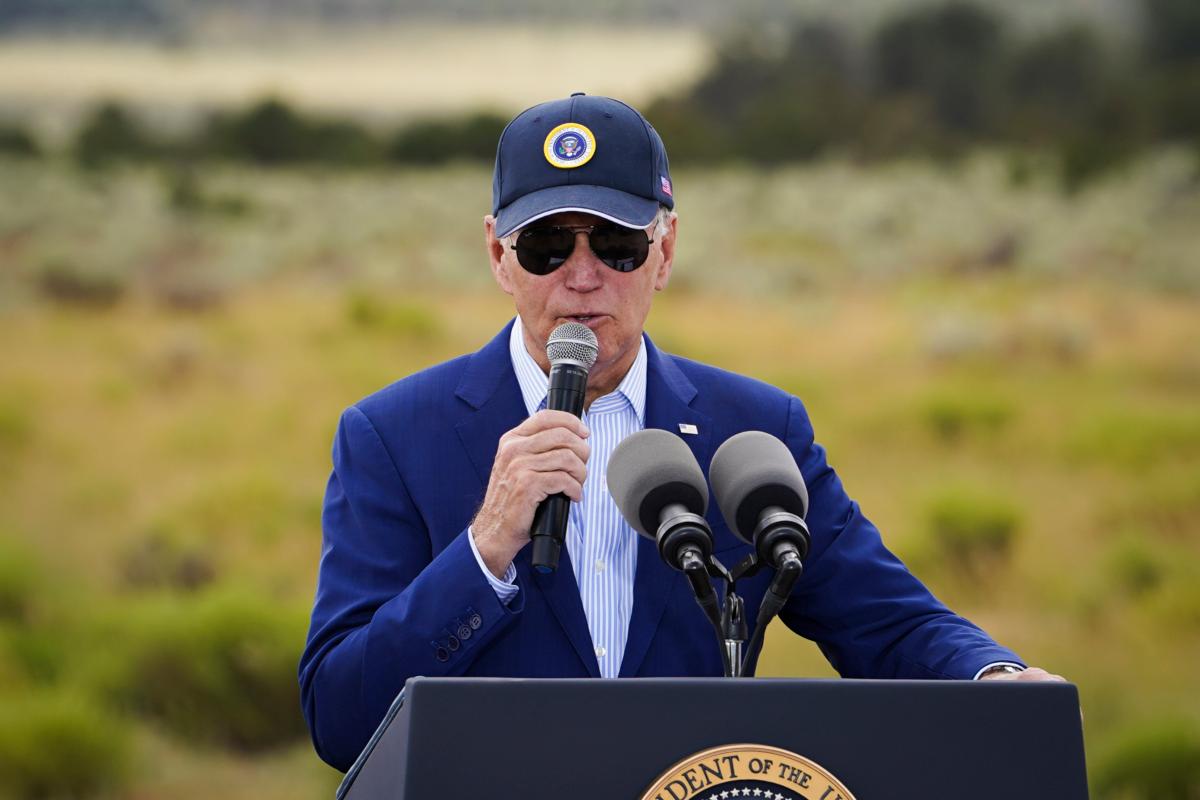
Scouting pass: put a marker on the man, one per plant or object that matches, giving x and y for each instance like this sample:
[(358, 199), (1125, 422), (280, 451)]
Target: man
[(425, 569)]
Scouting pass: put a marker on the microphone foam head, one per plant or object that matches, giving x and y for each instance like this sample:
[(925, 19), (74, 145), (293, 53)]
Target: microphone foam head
[(573, 342), (753, 471), (650, 470)]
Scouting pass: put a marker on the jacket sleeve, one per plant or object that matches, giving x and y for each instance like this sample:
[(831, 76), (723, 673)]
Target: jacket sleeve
[(869, 615), (387, 607)]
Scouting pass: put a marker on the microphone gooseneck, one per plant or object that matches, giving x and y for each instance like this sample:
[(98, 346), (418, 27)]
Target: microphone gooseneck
[(661, 492), (762, 496), (572, 350)]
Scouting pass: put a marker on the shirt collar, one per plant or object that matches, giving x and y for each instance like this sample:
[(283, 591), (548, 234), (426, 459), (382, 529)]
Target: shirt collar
[(535, 384)]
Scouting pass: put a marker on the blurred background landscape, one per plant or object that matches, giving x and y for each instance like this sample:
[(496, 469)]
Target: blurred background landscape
[(966, 234)]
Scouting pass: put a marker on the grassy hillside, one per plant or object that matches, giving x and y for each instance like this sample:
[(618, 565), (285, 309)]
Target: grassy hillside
[(1006, 379)]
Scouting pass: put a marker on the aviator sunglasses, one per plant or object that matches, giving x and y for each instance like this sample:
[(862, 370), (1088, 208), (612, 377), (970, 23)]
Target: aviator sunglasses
[(543, 249)]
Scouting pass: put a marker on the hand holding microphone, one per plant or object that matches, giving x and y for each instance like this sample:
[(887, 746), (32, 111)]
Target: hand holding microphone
[(540, 465)]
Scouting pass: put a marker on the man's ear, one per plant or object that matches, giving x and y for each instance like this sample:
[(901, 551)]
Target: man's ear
[(495, 249), (667, 243)]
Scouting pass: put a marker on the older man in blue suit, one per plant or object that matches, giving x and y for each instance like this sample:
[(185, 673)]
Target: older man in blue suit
[(425, 568)]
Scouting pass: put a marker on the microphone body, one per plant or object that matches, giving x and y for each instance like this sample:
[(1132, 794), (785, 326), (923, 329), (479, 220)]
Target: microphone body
[(762, 496), (571, 349), (568, 385)]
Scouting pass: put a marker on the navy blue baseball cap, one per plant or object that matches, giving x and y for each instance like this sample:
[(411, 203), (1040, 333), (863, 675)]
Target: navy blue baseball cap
[(583, 153)]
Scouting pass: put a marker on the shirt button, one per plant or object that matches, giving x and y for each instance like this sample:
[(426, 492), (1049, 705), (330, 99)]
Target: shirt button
[(601, 651), (600, 565)]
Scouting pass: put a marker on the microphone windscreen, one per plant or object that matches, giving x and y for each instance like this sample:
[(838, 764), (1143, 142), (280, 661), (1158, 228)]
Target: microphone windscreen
[(650, 470), (753, 471), (573, 342)]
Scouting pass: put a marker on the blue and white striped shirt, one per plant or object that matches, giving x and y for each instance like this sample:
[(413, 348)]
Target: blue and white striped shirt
[(602, 546)]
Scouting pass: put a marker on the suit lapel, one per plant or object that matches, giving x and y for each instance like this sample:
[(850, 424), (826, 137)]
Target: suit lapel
[(490, 387), (669, 394)]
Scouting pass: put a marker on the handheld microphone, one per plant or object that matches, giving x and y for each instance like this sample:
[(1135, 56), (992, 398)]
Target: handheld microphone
[(762, 496), (572, 350)]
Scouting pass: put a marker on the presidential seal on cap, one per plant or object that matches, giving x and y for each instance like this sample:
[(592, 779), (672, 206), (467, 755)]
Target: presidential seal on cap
[(582, 153), (570, 145)]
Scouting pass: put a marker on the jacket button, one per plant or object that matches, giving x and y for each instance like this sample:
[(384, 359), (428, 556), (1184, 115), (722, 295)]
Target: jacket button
[(463, 632), (476, 622), (442, 654), (452, 643)]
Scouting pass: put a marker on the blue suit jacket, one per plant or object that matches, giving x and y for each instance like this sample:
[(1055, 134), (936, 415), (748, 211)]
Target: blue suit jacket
[(401, 594)]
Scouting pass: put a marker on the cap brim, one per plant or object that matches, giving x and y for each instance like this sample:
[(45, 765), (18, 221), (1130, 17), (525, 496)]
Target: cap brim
[(611, 204)]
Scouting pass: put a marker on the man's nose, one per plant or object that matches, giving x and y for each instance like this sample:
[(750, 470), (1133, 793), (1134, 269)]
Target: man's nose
[(582, 268)]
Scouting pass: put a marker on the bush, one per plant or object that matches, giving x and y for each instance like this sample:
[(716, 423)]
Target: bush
[(66, 283), (1157, 761), (367, 310), (111, 134), (218, 668), (59, 745), (18, 142), (951, 414), (437, 141), (272, 132), (972, 528), (20, 582), (1137, 439), (1134, 565), (16, 427), (163, 561)]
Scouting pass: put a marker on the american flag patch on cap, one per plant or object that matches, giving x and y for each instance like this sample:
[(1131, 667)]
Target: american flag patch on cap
[(666, 185)]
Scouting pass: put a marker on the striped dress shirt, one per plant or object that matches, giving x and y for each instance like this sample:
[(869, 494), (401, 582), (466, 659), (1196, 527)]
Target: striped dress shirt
[(601, 544)]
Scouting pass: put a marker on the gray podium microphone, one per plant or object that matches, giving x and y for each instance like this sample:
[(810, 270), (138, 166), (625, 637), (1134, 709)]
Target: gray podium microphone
[(572, 349), (762, 495), (763, 498), (660, 490)]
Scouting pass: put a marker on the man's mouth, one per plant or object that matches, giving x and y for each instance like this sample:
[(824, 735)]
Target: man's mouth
[(584, 318)]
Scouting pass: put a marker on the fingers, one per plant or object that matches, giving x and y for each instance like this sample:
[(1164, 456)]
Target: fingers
[(545, 455), (1038, 674), (546, 419), (546, 441)]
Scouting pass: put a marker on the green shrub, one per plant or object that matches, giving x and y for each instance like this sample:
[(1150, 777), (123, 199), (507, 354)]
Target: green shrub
[(271, 132), (17, 141), (20, 581), (1134, 565), (111, 133), (73, 285), (37, 655), (1136, 438), (60, 745), (1156, 761), (164, 561), (471, 137), (410, 320), (971, 527), (217, 668), (951, 414)]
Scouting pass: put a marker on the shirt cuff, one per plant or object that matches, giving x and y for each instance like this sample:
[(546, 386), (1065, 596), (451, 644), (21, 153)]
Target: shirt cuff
[(505, 588), (978, 675)]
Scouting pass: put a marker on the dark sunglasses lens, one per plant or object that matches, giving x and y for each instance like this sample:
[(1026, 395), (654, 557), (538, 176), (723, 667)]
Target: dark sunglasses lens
[(543, 250), (623, 249)]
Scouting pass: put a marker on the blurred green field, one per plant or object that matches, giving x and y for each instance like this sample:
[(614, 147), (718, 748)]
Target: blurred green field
[(1006, 378)]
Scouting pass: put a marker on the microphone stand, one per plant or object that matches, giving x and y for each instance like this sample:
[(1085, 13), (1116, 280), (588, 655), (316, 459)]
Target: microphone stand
[(729, 618)]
